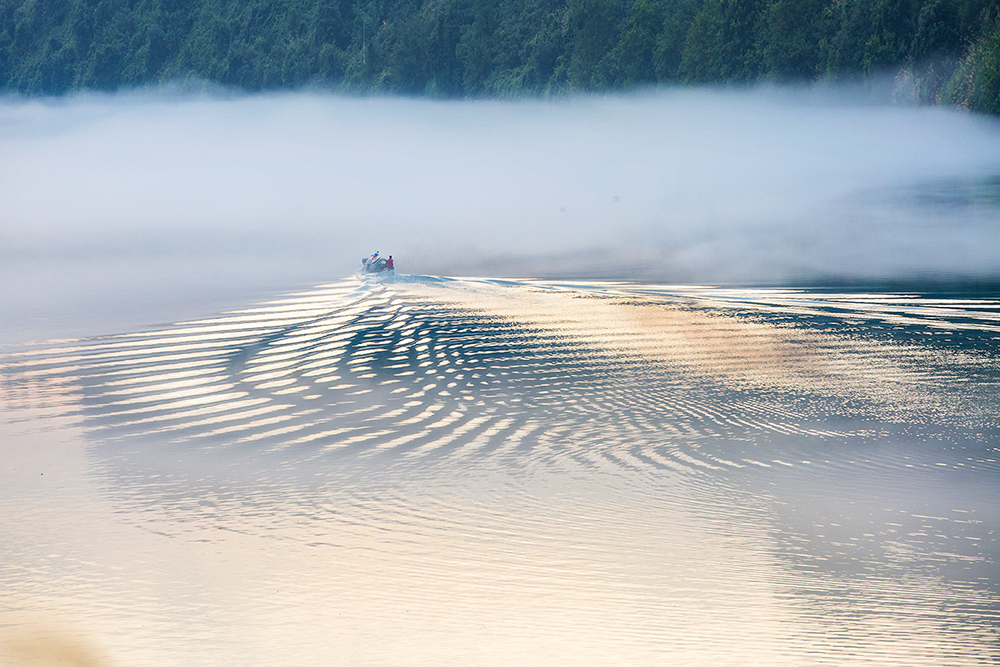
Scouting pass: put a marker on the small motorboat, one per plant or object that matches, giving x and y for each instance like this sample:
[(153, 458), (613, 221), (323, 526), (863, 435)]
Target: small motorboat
[(376, 264)]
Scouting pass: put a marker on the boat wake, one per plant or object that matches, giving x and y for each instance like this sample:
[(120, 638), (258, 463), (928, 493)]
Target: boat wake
[(748, 472), (651, 377)]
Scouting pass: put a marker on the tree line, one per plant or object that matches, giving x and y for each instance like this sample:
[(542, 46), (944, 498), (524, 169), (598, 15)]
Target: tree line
[(948, 49)]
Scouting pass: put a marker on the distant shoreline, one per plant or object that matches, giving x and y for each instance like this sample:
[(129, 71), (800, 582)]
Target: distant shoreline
[(944, 52)]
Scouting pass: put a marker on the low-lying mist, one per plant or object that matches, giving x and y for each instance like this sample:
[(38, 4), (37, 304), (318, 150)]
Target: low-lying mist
[(182, 201)]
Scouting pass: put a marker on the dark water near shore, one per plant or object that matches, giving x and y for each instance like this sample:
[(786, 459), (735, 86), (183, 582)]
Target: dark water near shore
[(422, 470)]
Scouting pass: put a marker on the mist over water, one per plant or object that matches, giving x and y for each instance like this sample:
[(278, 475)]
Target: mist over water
[(540, 441), (112, 201)]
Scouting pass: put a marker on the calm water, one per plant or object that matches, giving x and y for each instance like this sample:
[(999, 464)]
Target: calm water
[(428, 471)]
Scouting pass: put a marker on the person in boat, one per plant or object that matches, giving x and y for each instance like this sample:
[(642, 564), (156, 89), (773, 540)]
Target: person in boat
[(389, 265)]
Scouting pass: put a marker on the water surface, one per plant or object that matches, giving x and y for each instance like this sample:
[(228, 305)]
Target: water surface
[(423, 470)]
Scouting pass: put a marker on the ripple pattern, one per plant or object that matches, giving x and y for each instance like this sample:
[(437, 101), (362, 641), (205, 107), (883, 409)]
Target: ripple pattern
[(587, 469), (663, 378)]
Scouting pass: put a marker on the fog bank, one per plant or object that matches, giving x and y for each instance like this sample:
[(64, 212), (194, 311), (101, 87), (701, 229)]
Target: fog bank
[(192, 199)]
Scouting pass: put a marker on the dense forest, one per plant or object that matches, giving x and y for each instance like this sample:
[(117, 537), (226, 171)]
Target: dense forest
[(949, 50)]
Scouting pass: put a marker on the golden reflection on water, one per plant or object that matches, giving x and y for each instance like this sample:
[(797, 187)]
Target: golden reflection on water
[(739, 352), (475, 472), (41, 646)]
